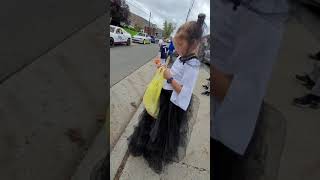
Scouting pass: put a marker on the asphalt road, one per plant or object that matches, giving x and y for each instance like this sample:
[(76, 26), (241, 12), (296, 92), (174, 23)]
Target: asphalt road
[(126, 59)]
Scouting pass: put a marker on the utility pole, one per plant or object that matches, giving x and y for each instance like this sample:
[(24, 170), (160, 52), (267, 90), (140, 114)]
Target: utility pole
[(189, 10)]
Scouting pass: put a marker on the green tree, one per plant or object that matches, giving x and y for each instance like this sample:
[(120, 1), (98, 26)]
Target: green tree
[(119, 12), (168, 28), (137, 27)]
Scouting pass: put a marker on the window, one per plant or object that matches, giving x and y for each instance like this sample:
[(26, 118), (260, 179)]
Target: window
[(112, 29), (118, 31)]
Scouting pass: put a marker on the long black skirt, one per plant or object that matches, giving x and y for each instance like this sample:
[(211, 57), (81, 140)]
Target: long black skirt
[(157, 140)]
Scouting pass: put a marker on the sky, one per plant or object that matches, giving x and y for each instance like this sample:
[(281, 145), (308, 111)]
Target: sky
[(174, 11)]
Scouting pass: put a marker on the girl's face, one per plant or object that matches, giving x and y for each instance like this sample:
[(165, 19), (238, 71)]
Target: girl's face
[(182, 46)]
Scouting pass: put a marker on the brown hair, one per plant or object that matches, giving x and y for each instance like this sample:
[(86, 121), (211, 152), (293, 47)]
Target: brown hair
[(192, 31)]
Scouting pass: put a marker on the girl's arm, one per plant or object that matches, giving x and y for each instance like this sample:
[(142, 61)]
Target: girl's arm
[(220, 83), (175, 85)]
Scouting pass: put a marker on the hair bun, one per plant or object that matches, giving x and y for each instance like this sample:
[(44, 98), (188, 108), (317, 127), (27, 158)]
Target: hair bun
[(201, 18)]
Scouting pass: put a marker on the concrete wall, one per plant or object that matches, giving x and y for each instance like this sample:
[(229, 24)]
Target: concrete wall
[(30, 28), (64, 89)]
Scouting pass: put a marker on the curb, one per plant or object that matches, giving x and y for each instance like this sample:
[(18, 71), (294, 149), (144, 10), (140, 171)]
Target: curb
[(120, 150), (125, 97)]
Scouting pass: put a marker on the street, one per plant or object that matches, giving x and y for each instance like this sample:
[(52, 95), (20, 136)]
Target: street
[(126, 59)]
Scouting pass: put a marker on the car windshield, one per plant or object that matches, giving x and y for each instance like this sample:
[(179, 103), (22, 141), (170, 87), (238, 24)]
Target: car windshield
[(140, 34), (124, 31), (112, 29)]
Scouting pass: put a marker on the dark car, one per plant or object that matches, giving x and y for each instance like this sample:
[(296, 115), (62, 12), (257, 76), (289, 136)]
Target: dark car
[(153, 39)]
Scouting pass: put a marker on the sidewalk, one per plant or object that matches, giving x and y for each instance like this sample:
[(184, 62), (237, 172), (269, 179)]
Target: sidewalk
[(300, 159), (196, 164)]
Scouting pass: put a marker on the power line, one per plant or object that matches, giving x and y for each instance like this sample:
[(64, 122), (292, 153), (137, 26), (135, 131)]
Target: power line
[(190, 10), (138, 7)]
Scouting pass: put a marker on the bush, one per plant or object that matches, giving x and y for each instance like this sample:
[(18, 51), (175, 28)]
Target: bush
[(132, 32)]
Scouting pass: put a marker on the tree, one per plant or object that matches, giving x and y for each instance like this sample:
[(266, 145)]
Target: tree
[(119, 12), (168, 28), (137, 27)]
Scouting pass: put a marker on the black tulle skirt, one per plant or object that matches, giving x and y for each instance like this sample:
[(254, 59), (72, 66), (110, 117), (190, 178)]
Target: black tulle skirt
[(158, 140)]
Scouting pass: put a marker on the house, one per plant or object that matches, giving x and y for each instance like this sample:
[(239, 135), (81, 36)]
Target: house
[(138, 21)]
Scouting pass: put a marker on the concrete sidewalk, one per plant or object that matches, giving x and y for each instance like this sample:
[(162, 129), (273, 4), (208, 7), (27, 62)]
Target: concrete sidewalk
[(300, 159), (196, 164)]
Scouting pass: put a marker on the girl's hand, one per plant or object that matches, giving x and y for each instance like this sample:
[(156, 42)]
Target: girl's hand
[(166, 74), (157, 61)]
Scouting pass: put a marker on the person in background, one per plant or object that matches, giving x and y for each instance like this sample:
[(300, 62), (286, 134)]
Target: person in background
[(311, 80), (171, 49), (160, 42), (206, 87), (162, 51), (311, 99)]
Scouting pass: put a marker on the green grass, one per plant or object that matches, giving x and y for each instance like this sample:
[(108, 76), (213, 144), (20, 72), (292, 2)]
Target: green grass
[(131, 31)]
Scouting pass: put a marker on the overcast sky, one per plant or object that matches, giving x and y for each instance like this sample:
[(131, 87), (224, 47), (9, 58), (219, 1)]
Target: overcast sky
[(174, 11)]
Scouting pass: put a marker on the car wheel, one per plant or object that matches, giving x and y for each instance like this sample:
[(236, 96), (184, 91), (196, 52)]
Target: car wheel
[(128, 42), (111, 42)]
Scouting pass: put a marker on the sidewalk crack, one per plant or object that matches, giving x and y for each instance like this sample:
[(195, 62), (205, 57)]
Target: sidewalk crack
[(194, 167)]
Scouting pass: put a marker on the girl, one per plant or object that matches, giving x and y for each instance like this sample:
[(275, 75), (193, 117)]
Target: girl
[(157, 140)]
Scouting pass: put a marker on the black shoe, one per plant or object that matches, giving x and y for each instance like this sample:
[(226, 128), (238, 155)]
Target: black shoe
[(306, 80), (308, 100), (205, 86), (309, 86), (315, 56), (206, 93)]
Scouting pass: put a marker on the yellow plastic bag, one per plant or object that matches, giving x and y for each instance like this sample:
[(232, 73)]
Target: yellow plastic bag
[(151, 98)]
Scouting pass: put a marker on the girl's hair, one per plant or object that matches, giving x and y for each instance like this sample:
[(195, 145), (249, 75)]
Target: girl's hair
[(192, 31)]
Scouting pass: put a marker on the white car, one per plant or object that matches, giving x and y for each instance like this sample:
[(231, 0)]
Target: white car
[(119, 36), (142, 38)]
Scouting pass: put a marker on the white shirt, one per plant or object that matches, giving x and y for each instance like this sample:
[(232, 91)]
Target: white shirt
[(246, 45), (186, 75), (160, 42)]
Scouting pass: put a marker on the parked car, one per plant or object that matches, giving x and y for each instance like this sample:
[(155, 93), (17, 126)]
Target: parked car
[(206, 57), (153, 39), (119, 36), (141, 38)]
